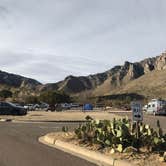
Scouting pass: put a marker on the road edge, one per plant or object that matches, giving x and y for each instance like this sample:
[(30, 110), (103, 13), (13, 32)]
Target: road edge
[(91, 156)]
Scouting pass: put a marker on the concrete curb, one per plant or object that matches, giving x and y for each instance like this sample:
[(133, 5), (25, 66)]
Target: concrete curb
[(56, 121), (94, 157), (5, 120)]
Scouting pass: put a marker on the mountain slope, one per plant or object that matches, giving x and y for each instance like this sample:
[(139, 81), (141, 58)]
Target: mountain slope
[(72, 84), (111, 81), (146, 77), (151, 85), (132, 72), (17, 81), (116, 75)]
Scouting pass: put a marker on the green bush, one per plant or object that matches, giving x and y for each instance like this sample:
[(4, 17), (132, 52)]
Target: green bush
[(5, 93), (52, 97), (121, 134)]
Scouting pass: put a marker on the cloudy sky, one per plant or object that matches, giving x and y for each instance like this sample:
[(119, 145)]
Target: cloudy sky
[(50, 39)]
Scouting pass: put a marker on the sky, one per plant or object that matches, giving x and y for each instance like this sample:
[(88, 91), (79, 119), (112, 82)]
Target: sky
[(50, 39)]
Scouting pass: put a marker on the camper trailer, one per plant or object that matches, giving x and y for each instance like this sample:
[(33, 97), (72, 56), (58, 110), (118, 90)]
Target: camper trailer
[(156, 107)]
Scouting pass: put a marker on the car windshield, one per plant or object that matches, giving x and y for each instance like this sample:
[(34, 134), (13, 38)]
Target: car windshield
[(12, 104)]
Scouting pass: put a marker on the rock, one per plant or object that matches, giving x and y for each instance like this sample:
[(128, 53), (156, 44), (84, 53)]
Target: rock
[(161, 159)]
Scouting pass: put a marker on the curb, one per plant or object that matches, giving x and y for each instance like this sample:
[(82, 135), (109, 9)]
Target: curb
[(94, 157), (50, 121), (5, 120)]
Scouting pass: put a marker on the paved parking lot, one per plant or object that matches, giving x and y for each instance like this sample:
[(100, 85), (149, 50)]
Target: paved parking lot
[(19, 146)]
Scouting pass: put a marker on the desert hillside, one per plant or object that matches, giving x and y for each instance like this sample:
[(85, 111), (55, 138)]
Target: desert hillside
[(152, 85), (147, 77)]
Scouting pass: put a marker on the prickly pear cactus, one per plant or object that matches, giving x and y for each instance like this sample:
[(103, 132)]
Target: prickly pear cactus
[(119, 134)]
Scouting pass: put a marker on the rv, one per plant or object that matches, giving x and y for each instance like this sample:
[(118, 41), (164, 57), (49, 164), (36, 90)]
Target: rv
[(156, 107)]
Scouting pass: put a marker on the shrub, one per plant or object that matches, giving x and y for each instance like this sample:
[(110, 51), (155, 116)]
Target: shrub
[(51, 97), (120, 134), (5, 93)]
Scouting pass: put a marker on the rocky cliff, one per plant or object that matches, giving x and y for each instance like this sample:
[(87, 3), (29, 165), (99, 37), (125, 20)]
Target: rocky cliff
[(111, 80)]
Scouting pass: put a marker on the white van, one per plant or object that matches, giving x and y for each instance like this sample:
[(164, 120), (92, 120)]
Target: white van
[(156, 107)]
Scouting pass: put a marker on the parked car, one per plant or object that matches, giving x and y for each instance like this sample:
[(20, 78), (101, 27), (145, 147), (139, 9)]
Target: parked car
[(36, 107), (44, 106), (7, 108), (51, 107), (55, 107), (145, 107), (156, 107), (74, 105), (66, 106), (17, 104), (29, 107)]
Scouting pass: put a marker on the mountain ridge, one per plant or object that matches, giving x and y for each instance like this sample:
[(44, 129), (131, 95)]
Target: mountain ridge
[(15, 80), (115, 77), (115, 80)]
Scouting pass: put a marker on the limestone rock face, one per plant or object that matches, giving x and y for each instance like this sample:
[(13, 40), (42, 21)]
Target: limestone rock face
[(148, 65), (161, 62)]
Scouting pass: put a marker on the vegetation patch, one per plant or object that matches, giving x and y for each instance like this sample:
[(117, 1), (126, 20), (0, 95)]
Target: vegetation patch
[(121, 101), (121, 139), (123, 96)]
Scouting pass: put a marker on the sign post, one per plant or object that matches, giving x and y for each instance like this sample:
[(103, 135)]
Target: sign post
[(137, 115)]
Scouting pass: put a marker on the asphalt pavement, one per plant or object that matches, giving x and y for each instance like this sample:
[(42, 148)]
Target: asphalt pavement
[(19, 146)]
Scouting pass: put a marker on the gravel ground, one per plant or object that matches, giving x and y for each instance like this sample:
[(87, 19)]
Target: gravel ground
[(62, 116)]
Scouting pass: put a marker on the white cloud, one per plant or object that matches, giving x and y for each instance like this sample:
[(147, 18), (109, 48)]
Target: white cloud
[(48, 40)]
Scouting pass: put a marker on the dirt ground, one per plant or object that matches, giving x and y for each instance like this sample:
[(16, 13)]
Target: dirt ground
[(77, 115)]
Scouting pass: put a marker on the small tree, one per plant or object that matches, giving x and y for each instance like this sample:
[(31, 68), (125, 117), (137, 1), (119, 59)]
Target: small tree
[(5, 94), (51, 97)]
